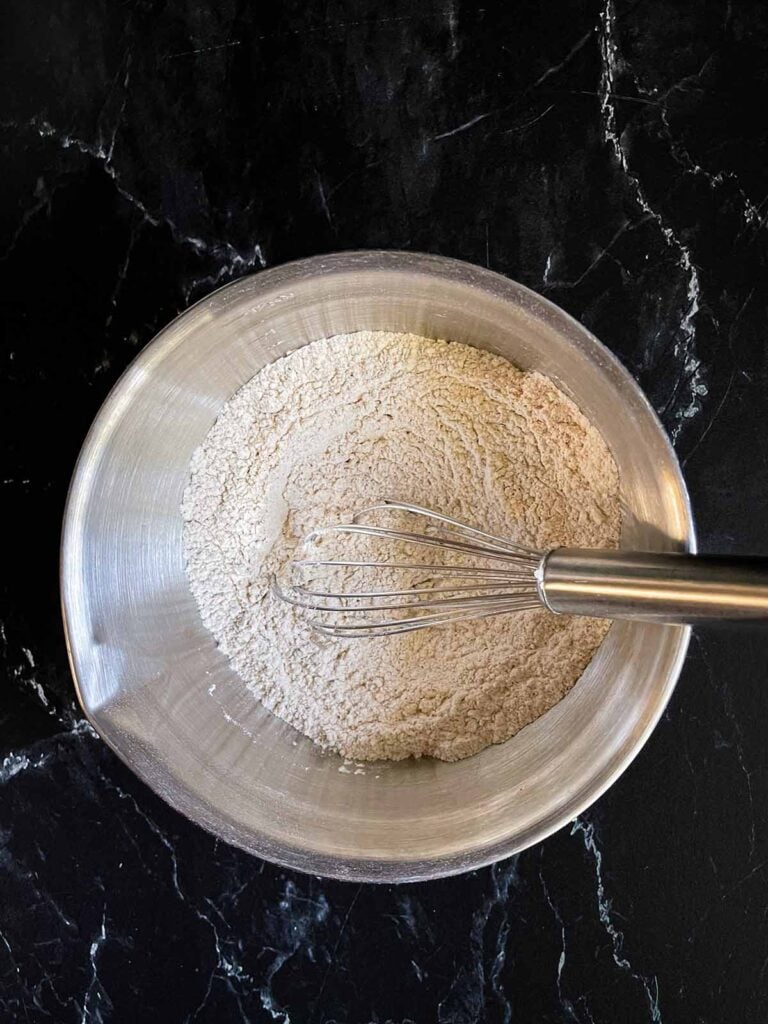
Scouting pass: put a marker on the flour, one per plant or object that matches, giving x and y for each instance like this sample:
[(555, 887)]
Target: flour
[(338, 425)]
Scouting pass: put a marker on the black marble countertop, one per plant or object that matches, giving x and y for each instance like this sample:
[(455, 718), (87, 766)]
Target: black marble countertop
[(612, 158)]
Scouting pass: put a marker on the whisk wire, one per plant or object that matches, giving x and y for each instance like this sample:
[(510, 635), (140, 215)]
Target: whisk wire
[(351, 602), (418, 510), (443, 541), (372, 630), (434, 570)]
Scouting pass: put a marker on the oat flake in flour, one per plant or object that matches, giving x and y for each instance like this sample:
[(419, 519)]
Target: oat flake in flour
[(340, 424)]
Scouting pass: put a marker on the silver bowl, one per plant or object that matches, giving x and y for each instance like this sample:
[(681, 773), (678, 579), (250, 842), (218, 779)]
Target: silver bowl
[(154, 685)]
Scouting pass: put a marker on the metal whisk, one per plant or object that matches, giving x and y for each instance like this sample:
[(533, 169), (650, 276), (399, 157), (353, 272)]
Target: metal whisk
[(476, 574)]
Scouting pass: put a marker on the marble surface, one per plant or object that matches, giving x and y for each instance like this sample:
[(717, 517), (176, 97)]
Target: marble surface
[(611, 157)]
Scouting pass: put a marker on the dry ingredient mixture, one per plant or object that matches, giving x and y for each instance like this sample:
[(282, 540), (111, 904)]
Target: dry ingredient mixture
[(339, 424)]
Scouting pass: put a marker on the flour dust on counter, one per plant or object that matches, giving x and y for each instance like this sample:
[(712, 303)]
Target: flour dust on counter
[(336, 426)]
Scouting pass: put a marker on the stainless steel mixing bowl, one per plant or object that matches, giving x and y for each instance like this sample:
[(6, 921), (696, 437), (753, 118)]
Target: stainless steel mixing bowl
[(164, 698)]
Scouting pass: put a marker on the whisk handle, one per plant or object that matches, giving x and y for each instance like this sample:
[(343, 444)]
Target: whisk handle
[(654, 587)]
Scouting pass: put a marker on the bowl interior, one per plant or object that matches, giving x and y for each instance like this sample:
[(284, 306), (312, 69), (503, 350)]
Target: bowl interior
[(153, 683)]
